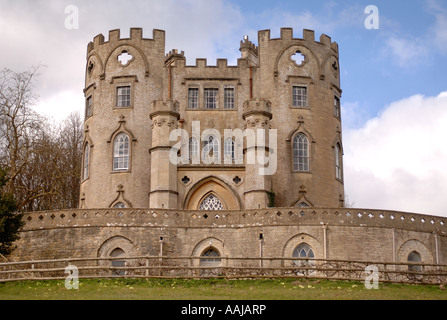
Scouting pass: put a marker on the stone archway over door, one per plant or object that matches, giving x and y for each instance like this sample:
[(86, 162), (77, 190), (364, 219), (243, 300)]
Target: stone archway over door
[(211, 188)]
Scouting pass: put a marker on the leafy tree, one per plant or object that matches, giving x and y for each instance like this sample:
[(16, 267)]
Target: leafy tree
[(10, 220)]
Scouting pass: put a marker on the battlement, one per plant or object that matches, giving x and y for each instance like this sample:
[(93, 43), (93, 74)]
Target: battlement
[(246, 44), (136, 34), (160, 107), (258, 106), (174, 55), (308, 35)]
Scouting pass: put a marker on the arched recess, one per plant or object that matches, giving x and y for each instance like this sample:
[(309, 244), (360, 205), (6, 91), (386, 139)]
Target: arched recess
[(299, 239), (211, 185), (331, 59), (91, 67), (414, 245), (297, 47), (115, 52), (112, 243), (205, 245), (116, 247)]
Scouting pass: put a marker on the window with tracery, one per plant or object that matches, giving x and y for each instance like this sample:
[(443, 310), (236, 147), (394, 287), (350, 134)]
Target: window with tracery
[(304, 251), (212, 256), (211, 202), (211, 147)]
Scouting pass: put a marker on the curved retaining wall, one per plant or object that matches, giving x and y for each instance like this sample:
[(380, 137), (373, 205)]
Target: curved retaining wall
[(340, 233)]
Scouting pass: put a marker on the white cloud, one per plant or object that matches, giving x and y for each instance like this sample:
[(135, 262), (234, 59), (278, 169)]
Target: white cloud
[(354, 114), (439, 29), (398, 160), (406, 52), (35, 34), (60, 105)]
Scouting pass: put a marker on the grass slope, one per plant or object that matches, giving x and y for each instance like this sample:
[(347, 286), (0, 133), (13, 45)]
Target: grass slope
[(216, 289)]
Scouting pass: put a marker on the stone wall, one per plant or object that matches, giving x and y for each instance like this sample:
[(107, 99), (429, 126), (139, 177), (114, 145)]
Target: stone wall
[(352, 234)]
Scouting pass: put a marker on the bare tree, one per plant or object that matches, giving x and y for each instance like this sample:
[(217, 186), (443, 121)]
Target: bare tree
[(43, 160), (70, 141), (20, 127)]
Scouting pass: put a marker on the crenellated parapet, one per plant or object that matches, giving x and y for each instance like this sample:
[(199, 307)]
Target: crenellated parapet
[(308, 37), (136, 34), (257, 107)]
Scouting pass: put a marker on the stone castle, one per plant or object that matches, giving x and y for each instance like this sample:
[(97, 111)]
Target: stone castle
[(136, 95), (259, 158)]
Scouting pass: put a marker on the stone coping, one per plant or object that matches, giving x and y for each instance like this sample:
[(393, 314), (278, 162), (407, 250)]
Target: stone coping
[(171, 218)]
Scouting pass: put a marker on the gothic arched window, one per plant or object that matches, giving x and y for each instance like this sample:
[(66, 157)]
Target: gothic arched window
[(302, 204), (211, 202), (121, 152), (212, 256), (300, 153), (303, 251), (211, 147), (120, 205)]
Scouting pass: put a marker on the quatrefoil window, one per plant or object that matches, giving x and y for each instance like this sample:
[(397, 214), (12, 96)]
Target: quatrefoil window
[(298, 58), (125, 58)]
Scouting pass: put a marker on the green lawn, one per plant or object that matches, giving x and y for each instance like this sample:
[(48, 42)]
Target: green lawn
[(218, 289)]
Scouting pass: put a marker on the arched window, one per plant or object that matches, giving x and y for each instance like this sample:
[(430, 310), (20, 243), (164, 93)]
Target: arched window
[(304, 252), (116, 253), (414, 257), (300, 153), (338, 170), (85, 172), (211, 147), (211, 202), (229, 149), (120, 205), (301, 205), (212, 258), (121, 152), (193, 148)]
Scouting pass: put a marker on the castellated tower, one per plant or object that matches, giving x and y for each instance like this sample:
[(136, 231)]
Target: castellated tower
[(285, 89)]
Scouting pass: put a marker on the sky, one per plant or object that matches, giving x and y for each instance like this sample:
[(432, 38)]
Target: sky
[(393, 76)]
